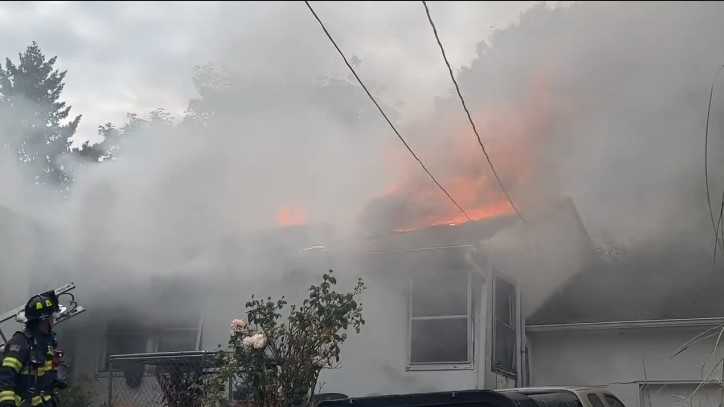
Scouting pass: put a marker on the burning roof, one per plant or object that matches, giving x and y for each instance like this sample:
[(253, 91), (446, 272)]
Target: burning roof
[(513, 134), (442, 236)]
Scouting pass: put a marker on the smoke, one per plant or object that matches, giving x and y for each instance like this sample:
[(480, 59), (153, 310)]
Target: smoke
[(630, 84), (602, 102), (291, 130), (605, 103)]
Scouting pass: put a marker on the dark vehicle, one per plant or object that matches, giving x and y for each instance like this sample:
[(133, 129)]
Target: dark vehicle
[(466, 398), (318, 398), (521, 400), (566, 396)]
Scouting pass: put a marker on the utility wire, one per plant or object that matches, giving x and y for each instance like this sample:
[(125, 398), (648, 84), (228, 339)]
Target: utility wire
[(718, 228), (706, 165), (470, 119), (383, 112)]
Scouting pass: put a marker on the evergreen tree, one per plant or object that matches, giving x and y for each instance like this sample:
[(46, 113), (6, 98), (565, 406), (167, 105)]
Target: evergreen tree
[(113, 138), (36, 119)]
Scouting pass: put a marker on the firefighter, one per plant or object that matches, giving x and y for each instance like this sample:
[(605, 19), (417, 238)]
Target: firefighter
[(28, 374)]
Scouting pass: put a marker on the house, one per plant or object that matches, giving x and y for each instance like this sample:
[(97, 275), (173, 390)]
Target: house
[(619, 323), (487, 304), (444, 306)]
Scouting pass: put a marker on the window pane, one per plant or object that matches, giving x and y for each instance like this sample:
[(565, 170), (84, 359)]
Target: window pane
[(439, 341), (124, 326), (613, 401), (177, 341), (595, 400), (556, 399), (181, 323), (440, 294), (123, 344), (504, 347), (504, 301)]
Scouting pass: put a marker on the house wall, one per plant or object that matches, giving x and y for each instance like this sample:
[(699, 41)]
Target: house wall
[(616, 358), (542, 254), (373, 362)]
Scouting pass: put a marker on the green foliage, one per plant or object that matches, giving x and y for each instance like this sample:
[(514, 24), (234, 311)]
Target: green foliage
[(114, 137), (279, 358), (226, 97), (34, 118), (77, 395), (183, 385)]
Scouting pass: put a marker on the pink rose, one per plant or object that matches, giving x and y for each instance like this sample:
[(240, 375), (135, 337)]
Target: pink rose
[(237, 325)]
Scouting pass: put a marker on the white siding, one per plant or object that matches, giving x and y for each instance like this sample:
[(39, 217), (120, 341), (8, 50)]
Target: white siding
[(375, 361), (677, 395), (616, 358), (541, 255)]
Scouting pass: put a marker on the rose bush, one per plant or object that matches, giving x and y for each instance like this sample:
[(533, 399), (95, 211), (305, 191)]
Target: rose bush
[(279, 351)]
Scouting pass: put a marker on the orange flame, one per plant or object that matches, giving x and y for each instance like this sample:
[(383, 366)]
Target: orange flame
[(290, 215), (510, 135)]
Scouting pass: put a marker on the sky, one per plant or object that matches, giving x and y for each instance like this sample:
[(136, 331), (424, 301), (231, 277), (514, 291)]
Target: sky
[(137, 56)]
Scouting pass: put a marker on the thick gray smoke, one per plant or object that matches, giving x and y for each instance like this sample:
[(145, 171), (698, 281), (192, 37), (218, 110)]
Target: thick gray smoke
[(603, 102), (291, 135)]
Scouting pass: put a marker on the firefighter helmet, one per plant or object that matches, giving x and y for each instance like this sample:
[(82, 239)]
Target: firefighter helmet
[(40, 307)]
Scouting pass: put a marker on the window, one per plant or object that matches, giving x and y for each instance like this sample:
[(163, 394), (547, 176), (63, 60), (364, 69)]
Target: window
[(179, 336), (613, 401), (178, 340), (555, 399), (595, 400), (122, 338), (504, 327), (130, 336), (440, 319)]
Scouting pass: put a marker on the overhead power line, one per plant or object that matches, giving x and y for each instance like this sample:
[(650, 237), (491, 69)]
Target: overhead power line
[(717, 229), (715, 225), (465, 107), (382, 112)]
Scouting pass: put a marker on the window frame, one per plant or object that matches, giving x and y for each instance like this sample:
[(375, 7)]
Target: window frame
[(595, 396), (151, 337), (198, 329), (469, 316), (103, 365), (607, 396), (494, 365)]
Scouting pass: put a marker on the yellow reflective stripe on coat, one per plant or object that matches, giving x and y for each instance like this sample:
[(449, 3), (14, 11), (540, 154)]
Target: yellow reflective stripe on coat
[(9, 395), (37, 400), (12, 362), (47, 367)]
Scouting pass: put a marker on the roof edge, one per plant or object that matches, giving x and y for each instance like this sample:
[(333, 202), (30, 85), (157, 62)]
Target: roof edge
[(639, 324)]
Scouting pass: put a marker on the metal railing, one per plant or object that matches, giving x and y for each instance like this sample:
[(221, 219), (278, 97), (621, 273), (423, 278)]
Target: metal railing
[(169, 379), (174, 379)]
